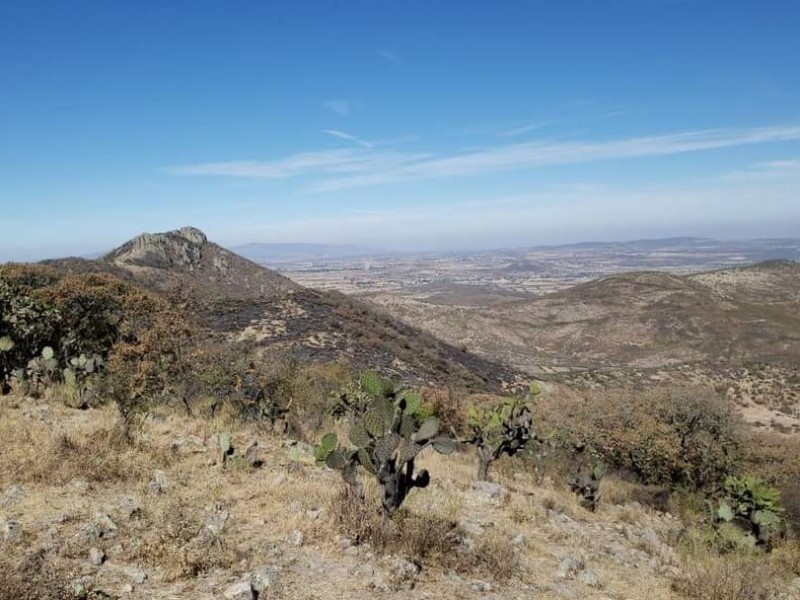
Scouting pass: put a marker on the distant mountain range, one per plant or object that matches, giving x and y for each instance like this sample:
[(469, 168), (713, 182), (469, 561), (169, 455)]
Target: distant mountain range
[(790, 247), (749, 251)]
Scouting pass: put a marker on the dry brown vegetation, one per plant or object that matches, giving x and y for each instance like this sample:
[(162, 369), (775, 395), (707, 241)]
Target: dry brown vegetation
[(129, 494), (162, 505), (668, 435)]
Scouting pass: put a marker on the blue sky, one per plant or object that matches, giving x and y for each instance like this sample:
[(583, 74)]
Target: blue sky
[(412, 124)]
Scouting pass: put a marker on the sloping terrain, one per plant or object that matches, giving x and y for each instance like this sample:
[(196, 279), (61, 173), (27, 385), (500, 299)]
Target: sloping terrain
[(642, 320), (737, 330), (239, 299), (163, 519)]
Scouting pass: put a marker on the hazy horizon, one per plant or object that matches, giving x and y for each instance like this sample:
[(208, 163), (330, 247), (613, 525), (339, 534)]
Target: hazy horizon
[(35, 255)]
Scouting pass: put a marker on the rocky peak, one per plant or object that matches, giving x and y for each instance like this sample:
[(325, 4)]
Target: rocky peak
[(192, 234), (179, 249)]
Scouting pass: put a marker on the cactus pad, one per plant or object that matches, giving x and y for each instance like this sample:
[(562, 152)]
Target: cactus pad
[(366, 461), (359, 436), (6, 344), (385, 447), (427, 430), (444, 445), (225, 443), (329, 441), (408, 451), (408, 426), (422, 480), (374, 422), (412, 402), (336, 460), (375, 385), (320, 454)]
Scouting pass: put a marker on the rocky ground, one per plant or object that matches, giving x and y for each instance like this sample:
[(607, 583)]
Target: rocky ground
[(163, 519)]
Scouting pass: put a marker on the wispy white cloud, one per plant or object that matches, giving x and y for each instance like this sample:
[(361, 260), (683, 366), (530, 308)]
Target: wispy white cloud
[(335, 169), (778, 170), (343, 135), (525, 128), (389, 56), (542, 153), (340, 107), (343, 161)]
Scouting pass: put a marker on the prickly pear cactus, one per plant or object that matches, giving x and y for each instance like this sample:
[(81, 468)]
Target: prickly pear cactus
[(355, 399), (754, 506), (505, 428), (385, 442), (226, 448), (587, 485)]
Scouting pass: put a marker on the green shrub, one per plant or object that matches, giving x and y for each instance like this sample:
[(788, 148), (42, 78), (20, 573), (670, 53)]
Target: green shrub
[(677, 435)]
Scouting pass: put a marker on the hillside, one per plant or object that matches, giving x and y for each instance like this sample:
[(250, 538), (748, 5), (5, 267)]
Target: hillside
[(165, 521), (738, 330), (643, 319), (239, 299)]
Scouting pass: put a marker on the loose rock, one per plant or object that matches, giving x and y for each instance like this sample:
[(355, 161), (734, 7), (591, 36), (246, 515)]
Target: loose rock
[(96, 556), (493, 490), (240, 591)]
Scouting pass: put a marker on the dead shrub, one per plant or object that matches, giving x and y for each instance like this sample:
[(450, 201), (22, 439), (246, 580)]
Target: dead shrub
[(730, 577), (100, 455), (617, 491), (425, 539), (173, 536), (34, 577), (446, 404), (493, 555), (311, 392)]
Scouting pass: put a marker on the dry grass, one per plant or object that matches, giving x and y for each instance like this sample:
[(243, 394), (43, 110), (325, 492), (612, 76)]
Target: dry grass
[(450, 527), (427, 539), (53, 450), (614, 490), (730, 577), (173, 535), (33, 577)]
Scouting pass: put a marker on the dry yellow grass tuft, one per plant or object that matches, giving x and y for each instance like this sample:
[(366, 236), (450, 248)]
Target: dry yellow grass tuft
[(730, 577)]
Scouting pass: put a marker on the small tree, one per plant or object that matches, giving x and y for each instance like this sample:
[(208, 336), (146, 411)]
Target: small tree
[(385, 443), (505, 428)]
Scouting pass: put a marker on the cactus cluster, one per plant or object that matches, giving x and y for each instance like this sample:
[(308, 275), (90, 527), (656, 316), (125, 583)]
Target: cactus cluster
[(385, 442), (26, 326), (754, 507), (230, 455), (355, 399), (42, 371), (78, 374), (587, 485), (505, 428)]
